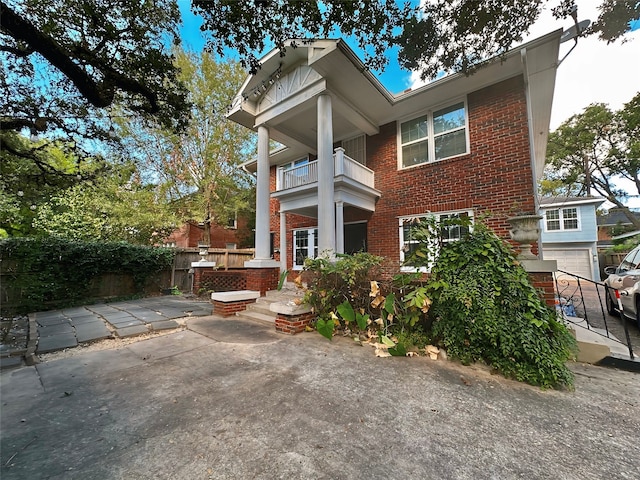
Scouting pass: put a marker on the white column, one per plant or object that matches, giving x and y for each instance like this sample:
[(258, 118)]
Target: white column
[(326, 209), (340, 227), (283, 241), (262, 256)]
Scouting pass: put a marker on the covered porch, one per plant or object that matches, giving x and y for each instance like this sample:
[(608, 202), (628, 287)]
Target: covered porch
[(297, 102)]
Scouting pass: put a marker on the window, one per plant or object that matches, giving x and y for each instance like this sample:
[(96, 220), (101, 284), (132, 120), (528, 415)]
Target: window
[(561, 219), (305, 245), (434, 136), (449, 232), (356, 148), (232, 222)]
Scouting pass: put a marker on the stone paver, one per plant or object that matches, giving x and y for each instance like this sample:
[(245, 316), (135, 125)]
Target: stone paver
[(164, 325), (131, 331), (88, 332), (56, 342), (60, 329), (125, 322), (47, 331), (48, 321), (86, 319)]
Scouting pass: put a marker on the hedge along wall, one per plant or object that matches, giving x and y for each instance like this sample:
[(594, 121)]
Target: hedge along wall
[(49, 273)]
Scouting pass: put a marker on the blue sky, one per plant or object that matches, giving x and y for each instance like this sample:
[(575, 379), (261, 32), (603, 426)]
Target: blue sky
[(393, 78), (594, 72), (614, 60)]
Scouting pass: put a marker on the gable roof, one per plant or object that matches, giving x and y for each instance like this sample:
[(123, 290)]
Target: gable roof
[(614, 217), (362, 104)]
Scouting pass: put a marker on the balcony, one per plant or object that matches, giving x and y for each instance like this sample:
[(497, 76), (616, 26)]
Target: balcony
[(307, 174), (297, 187)]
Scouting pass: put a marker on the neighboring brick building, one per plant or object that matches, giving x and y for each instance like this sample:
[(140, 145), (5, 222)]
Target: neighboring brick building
[(235, 235), (359, 164)]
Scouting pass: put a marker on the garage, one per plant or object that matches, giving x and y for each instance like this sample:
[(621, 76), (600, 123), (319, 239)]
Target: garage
[(576, 261)]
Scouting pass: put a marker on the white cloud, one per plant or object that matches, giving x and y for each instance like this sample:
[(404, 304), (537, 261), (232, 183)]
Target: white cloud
[(594, 72)]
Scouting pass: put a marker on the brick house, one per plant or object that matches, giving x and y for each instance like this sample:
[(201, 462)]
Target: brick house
[(356, 164), (231, 236)]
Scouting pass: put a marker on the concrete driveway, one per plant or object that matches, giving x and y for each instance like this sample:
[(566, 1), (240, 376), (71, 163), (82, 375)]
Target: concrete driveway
[(229, 398)]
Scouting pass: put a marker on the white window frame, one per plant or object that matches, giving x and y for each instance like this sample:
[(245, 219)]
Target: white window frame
[(562, 218), (431, 136), (438, 216), (312, 245)]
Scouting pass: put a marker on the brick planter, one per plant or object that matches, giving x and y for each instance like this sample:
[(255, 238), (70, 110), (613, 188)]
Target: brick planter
[(226, 304), (290, 318)]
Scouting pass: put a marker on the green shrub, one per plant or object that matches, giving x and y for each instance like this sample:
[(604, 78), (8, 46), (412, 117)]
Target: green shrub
[(485, 308), (55, 272)]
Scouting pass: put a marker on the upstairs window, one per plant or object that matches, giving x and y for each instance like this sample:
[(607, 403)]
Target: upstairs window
[(434, 136), (560, 219)]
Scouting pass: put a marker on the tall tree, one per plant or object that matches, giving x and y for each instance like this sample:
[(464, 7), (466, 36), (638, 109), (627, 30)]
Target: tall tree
[(24, 186), (198, 170), (116, 207), (431, 36), (592, 151), (65, 63)]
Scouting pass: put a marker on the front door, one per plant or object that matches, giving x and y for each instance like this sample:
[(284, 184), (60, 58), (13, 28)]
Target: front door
[(355, 237)]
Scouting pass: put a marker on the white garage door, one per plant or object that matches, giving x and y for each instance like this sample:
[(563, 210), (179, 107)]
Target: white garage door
[(576, 261)]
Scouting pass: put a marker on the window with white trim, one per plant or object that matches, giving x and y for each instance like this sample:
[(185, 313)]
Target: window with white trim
[(448, 233), (434, 136), (305, 245), (356, 148), (560, 219)]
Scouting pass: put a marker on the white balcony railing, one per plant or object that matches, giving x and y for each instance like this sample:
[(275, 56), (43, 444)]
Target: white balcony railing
[(350, 168), (297, 176), (308, 173)]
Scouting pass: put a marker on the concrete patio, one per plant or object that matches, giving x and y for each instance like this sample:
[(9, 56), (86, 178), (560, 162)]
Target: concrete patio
[(230, 398)]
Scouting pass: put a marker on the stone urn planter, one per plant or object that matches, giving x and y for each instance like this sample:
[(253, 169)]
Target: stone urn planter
[(525, 229)]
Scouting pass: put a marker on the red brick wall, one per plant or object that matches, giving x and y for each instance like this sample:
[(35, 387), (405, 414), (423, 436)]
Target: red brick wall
[(543, 281), (492, 179), (191, 234)]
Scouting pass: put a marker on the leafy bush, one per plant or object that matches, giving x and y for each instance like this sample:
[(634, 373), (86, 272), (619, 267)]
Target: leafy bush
[(485, 308), (332, 282), (54, 272)]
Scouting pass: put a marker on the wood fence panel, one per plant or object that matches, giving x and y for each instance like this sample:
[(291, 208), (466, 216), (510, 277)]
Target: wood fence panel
[(224, 258)]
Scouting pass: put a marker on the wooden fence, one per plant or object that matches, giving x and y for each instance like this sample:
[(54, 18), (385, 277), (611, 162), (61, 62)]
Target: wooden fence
[(224, 258)]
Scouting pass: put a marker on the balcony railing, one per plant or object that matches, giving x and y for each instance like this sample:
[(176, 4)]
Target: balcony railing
[(308, 173)]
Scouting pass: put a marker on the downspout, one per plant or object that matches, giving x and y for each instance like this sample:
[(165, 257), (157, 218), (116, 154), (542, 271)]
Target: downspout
[(532, 158)]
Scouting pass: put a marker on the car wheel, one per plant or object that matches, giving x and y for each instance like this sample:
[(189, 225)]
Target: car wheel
[(638, 312), (611, 308)]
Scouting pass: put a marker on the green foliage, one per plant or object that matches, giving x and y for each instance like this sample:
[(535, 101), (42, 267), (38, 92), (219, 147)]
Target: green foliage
[(430, 36), (485, 308), (26, 186), (198, 172), (348, 278), (592, 150), (53, 272), (116, 207), (478, 303)]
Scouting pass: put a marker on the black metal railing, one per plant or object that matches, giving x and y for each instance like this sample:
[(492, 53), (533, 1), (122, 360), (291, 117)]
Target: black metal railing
[(583, 303)]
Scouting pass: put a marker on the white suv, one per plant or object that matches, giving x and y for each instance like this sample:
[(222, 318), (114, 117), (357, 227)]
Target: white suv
[(626, 278)]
